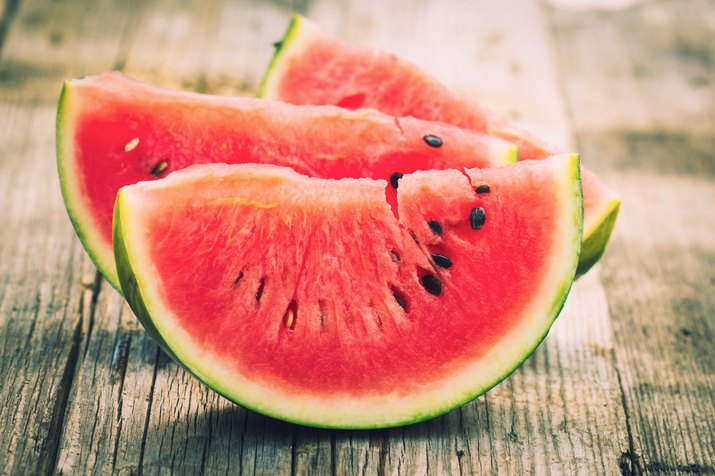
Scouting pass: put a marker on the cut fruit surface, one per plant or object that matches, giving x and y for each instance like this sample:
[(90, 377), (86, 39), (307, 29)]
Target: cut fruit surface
[(312, 67), (113, 131), (309, 300)]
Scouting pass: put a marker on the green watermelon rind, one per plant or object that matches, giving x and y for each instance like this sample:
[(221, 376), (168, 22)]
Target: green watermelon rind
[(140, 295), (130, 288), (300, 29), (70, 187), (596, 238), (289, 38)]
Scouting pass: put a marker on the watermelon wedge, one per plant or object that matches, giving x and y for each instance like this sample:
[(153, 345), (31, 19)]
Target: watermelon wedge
[(309, 300), (311, 66), (113, 131)]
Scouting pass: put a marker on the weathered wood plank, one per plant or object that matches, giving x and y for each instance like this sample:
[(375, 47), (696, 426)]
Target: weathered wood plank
[(49, 288), (50, 41), (108, 408), (40, 325), (640, 91), (216, 47)]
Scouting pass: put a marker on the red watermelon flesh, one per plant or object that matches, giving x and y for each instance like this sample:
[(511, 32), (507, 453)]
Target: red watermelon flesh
[(309, 300), (113, 131), (311, 66)]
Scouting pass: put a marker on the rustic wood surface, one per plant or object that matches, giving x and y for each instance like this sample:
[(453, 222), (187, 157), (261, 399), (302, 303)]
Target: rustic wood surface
[(624, 383)]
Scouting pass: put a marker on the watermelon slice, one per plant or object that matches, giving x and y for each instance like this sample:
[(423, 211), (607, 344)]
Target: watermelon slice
[(312, 67), (309, 300), (113, 131)]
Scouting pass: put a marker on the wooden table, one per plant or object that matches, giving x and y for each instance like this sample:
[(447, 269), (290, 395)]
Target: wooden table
[(625, 382)]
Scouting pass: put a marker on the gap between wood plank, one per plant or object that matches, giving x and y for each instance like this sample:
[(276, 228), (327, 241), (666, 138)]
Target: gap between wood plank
[(148, 409), (293, 452), (96, 288), (333, 464), (121, 353), (54, 432), (628, 462), (204, 454)]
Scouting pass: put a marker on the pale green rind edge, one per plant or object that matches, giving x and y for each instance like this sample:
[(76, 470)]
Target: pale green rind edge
[(132, 289), (103, 260), (128, 282), (280, 54), (512, 155), (594, 243)]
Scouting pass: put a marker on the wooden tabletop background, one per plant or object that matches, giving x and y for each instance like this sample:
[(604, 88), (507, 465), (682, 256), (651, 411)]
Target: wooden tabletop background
[(624, 383)]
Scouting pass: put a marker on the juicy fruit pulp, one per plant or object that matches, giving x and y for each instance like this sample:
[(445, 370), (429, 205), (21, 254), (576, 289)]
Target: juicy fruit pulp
[(310, 300), (113, 131), (313, 67)]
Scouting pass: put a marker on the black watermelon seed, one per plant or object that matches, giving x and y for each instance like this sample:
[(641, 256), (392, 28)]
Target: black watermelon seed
[(400, 299), (395, 256), (394, 179), (432, 140), (261, 285), (482, 189), (431, 284), (435, 227), (442, 261), (238, 279), (160, 168), (414, 237), (477, 217)]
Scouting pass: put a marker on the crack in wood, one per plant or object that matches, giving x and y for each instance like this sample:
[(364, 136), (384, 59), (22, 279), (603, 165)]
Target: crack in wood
[(59, 411), (333, 459), (33, 323), (96, 288), (119, 364), (628, 462), (51, 446), (293, 452), (382, 445), (148, 410), (205, 452), (691, 468)]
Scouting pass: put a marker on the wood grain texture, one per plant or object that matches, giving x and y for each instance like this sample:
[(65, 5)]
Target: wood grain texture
[(623, 384), (655, 145), (49, 288), (40, 294)]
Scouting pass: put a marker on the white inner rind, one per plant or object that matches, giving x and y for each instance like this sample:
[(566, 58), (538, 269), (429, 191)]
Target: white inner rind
[(366, 411)]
